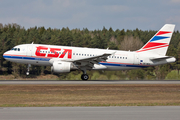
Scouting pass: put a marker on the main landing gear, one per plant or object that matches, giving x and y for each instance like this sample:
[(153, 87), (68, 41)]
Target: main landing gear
[(84, 76)]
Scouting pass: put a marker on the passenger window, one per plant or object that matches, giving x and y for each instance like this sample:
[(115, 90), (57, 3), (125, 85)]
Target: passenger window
[(76, 53), (84, 54), (73, 53)]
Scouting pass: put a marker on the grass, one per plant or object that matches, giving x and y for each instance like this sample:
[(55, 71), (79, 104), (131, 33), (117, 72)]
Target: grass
[(173, 75), (89, 95), (30, 77)]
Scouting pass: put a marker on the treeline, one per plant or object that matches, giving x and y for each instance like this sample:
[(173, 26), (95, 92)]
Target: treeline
[(13, 34)]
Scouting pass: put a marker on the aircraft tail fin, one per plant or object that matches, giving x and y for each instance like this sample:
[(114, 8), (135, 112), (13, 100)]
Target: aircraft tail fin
[(159, 43)]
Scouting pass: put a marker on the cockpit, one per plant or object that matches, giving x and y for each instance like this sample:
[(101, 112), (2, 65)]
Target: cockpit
[(15, 49)]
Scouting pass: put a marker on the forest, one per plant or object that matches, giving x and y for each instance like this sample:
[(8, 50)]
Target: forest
[(120, 39)]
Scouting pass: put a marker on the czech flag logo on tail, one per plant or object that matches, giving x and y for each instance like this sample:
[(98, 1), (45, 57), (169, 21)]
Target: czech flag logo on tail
[(159, 43)]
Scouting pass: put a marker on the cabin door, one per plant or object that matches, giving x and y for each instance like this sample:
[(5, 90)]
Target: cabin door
[(136, 59), (29, 50)]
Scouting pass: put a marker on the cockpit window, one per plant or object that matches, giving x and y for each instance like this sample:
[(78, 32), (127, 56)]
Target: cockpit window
[(15, 49)]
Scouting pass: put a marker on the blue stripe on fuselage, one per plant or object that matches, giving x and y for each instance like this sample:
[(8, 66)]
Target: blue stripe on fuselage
[(26, 58), (122, 65), (47, 59)]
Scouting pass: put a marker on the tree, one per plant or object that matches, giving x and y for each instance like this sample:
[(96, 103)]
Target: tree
[(14, 34), (131, 43)]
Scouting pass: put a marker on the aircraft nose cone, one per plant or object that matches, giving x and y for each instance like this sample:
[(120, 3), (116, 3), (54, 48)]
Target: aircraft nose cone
[(5, 55)]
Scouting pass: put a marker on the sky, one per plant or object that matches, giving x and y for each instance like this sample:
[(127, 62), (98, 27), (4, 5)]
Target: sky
[(91, 14)]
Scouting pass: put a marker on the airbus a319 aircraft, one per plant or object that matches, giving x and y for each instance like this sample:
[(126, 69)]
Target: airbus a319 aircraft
[(64, 59)]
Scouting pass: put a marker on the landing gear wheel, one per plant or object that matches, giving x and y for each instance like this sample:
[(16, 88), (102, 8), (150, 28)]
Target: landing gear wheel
[(84, 77), (27, 73), (29, 65)]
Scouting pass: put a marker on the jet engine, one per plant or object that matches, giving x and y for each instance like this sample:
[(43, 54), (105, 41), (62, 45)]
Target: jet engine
[(62, 67)]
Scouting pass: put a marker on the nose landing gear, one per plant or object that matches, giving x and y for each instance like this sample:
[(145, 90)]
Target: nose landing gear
[(29, 65)]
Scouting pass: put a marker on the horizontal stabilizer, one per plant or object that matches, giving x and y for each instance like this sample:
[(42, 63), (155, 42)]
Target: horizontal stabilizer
[(160, 57)]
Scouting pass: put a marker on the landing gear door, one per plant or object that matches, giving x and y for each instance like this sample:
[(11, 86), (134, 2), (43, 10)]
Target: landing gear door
[(136, 59), (29, 50)]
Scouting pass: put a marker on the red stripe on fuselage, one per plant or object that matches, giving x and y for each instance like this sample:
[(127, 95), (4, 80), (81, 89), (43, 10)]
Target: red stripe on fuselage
[(117, 63)]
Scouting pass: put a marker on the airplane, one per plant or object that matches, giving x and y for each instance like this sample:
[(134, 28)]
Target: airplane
[(64, 59)]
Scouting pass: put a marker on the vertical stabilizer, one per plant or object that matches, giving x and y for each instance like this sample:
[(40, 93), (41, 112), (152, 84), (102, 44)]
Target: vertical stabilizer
[(159, 43)]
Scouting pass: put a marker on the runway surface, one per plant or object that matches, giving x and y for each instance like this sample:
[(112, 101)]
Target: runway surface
[(91, 113), (36, 82)]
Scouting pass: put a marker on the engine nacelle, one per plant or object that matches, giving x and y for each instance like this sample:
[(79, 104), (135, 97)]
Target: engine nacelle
[(61, 67)]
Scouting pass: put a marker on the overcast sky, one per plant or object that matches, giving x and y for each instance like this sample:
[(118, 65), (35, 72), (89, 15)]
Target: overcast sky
[(91, 14)]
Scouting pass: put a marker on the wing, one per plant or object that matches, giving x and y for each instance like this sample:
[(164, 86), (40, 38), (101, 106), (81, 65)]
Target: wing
[(88, 63)]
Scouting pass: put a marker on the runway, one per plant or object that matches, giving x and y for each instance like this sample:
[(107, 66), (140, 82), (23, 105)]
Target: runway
[(91, 113), (55, 82)]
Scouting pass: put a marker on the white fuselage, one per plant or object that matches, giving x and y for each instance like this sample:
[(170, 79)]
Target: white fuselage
[(38, 54)]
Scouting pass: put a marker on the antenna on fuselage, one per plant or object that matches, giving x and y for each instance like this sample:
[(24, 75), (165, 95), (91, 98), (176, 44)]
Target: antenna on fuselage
[(32, 43)]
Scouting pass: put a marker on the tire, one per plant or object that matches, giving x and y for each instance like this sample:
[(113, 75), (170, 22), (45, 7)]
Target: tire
[(84, 77)]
